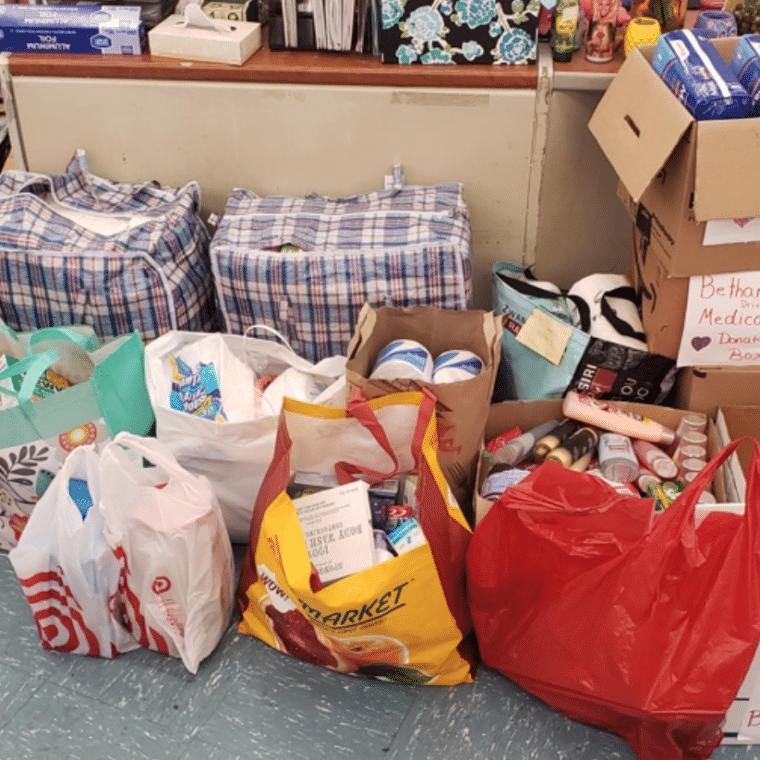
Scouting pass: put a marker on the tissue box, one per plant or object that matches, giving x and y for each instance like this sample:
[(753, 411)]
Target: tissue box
[(172, 39), (98, 29)]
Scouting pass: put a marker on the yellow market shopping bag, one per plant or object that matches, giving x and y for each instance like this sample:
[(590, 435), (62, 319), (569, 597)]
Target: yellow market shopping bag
[(404, 619)]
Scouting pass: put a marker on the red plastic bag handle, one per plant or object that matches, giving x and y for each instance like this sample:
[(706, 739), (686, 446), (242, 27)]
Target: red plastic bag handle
[(679, 517), (360, 410)]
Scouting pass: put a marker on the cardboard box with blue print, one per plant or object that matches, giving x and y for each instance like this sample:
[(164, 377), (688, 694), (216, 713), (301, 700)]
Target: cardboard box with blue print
[(697, 179), (98, 29), (459, 31)]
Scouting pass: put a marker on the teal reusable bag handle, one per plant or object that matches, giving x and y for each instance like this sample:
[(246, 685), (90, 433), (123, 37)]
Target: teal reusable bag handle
[(116, 392), (62, 333), (33, 367)]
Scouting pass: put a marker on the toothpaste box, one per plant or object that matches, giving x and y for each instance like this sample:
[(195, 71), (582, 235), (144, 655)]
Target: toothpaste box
[(746, 66), (98, 29)]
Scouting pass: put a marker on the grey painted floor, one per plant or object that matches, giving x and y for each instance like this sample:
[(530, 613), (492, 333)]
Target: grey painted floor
[(248, 702)]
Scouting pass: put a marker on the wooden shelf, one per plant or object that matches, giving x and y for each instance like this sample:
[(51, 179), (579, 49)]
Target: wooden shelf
[(279, 67)]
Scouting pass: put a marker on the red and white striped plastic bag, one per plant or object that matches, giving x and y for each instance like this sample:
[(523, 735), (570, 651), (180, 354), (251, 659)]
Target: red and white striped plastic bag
[(67, 571)]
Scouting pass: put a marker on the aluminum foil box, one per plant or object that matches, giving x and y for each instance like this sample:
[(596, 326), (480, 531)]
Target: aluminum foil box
[(98, 29)]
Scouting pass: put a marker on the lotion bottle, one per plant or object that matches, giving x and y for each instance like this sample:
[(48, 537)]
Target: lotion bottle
[(610, 416), (654, 458)]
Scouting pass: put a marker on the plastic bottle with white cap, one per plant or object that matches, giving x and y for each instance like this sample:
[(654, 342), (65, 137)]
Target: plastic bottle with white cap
[(653, 457), (617, 460)]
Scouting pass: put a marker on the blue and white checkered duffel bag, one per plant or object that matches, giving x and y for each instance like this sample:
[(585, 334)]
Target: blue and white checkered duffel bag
[(80, 249), (305, 266)]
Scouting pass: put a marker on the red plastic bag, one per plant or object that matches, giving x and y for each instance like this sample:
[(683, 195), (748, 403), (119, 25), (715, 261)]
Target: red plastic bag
[(639, 623)]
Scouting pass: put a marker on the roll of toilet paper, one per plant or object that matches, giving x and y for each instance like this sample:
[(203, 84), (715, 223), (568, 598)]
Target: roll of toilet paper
[(455, 365), (597, 287), (403, 360)]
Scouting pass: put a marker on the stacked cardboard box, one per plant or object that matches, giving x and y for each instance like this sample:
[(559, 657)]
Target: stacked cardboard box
[(676, 174)]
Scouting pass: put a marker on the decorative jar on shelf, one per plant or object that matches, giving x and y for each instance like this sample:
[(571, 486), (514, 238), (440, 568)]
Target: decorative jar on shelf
[(641, 30)]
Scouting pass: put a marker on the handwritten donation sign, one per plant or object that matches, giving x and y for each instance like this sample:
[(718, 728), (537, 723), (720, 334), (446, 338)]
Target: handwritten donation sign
[(722, 324)]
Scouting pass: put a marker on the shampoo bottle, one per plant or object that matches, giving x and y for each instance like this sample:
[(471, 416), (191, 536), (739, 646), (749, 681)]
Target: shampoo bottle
[(575, 447), (554, 438), (520, 448)]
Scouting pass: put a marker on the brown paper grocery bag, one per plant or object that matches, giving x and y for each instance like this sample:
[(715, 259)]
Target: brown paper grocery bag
[(462, 407)]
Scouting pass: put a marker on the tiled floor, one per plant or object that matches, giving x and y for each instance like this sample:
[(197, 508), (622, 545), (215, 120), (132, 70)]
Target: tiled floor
[(248, 702)]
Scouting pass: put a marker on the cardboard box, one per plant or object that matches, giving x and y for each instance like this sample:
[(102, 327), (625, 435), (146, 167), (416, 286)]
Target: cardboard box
[(682, 171), (732, 422), (417, 31), (462, 407), (662, 296), (528, 414), (706, 389), (197, 37), (738, 421), (96, 29)]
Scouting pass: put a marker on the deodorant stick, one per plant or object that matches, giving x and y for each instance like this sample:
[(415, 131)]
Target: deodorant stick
[(617, 460)]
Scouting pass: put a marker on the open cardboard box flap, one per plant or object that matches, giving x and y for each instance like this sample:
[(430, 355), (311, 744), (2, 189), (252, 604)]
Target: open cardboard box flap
[(639, 122), (727, 184), (742, 421)]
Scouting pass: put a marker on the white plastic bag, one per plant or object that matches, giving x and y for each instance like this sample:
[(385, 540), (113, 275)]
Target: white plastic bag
[(68, 573), (235, 455), (178, 582)]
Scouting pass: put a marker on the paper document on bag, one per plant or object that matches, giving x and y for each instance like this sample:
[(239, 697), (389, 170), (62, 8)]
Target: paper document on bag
[(722, 321), (337, 530), (545, 335)]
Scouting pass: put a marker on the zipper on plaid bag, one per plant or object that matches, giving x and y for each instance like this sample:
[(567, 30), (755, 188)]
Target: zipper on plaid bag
[(442, 215)]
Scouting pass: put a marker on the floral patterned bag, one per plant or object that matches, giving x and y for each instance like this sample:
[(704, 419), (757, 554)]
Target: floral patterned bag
[(40, 425), (459, 31)]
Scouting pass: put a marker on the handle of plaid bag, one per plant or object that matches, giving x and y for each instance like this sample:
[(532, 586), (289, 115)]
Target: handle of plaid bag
[(33, 367), (360, 410)]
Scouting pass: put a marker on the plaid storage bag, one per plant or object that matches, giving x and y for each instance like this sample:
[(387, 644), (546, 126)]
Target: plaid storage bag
[(306, 266), (79, 249)]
